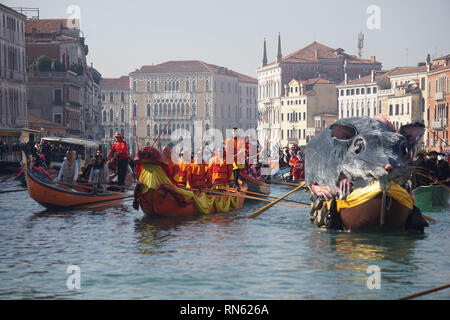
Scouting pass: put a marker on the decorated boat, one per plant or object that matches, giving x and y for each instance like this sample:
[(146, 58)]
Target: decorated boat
[(432, 197), (156, 192), (54, 196), (255, 185), (370, 207)]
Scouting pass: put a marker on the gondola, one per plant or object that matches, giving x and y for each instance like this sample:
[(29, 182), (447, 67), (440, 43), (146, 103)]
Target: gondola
[(54, 196), (255, 185), (432, 197)]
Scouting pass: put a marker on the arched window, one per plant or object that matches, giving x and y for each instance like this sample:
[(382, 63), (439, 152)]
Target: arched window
[(148, 110), (122, 97), (148, 86), (194, 109), (187, 85), (134, 109), (155, 130), (207, 85), (111, 97), (122, 132), (122, 115), (160, 109), (104, 116), (165, 108), (111, 115), (177, 85), (111, 133), (178, 109), (156, 85), (148, 130), (103, 96), (194, 85), (182, 109), (207, 127)]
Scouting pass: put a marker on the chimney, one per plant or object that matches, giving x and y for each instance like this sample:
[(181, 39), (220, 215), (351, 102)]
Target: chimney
[(285, 90), (372, 59), (345, 78), (372, 78)]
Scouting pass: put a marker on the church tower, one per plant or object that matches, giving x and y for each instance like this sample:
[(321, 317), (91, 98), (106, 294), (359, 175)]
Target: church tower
[(279, 55), (264, 61)]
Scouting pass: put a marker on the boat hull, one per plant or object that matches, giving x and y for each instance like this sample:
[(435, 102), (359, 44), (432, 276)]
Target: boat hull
[(255, 185), (428, 198), (53, 197), (368, 215), (156, 203)]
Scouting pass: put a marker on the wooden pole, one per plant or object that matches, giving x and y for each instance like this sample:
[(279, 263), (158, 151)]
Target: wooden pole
[(269, 205), (303, 184), (16, 190), (425, 292), (263, 195)]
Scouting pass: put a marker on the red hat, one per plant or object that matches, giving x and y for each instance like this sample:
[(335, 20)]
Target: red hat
[(118, 135)]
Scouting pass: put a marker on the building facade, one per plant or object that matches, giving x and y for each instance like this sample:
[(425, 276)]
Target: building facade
[(302, 101), (62, 87), (189, 98), (438, 100), (115, 99), (314, 61), (13, 75)]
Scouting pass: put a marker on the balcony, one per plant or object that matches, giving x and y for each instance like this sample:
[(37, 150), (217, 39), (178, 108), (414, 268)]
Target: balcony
[(439, 124), (439, 96)]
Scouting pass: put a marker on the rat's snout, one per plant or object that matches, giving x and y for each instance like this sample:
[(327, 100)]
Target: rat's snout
[(388, 167)]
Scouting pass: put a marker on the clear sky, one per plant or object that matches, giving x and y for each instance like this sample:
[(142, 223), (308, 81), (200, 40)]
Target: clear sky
[(124, 35)]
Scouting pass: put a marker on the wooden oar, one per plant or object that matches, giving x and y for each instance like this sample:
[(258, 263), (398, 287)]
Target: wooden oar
[(431, 178), (271, 204), (287, 183), (264, 195), (445, 286), (16, 190), (10, 176)]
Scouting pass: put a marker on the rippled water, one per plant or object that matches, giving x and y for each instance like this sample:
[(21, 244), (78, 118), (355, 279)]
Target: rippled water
[(278, 255)]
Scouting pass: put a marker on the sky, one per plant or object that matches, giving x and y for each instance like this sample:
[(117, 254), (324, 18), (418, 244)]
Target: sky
[(124, 35)]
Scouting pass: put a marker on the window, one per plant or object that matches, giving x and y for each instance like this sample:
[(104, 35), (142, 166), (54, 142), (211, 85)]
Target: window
[(122, 97), (111, 97), (194, 86), (134, 85), (342, 92), (103, 96), (397, 109), (357, 91), (104, 116), (111, 133), (111, 115), (148, 130), (122, 115), (57, 118), (352, 92), (148, 86), (374, 90), (148, 110), (362, 90), (58, 96), (368, 90), (155, 130), (134, 110), (207, 85)]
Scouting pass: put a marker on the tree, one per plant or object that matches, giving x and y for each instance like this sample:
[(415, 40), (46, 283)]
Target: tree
[(384, 84)]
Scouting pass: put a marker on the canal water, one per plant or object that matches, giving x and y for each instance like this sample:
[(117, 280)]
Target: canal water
[(278, 255)]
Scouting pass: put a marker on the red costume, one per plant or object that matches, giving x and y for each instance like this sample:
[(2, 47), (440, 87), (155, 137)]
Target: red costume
[(298, 170)]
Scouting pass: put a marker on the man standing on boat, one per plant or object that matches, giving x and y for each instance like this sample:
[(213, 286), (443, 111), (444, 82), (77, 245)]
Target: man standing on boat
[(119, 152), (99, 173), (235, 149), (68, 173)]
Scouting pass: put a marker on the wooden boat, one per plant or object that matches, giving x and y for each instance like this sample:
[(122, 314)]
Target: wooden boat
[(362, 210), (255, 185), (52, 196), (157, 194), (432, 197)]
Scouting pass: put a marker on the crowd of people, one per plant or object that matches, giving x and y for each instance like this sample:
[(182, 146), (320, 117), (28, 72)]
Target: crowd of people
[(430, 168), (294, 160)]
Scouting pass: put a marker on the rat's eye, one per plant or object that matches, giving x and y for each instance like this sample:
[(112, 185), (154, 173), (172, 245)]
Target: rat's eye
[(359, 145)]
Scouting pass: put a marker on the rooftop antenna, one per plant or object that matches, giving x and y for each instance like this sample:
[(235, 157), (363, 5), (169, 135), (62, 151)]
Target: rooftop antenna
[(360, 43)]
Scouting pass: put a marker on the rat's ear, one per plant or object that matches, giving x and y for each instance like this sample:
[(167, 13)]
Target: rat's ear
[(342, 131), (413, 132)]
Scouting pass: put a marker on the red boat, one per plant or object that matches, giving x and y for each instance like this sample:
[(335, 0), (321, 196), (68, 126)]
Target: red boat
[(156, 192)]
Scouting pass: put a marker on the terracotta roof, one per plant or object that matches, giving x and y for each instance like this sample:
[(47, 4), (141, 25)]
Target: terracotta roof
[(379, 75), (45, 26), (182, 66), (447, 56), (314, 81), (316, 51), (405, 70), (116, 83)]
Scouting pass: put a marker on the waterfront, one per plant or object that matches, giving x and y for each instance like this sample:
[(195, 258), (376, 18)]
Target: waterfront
[(279, 255)]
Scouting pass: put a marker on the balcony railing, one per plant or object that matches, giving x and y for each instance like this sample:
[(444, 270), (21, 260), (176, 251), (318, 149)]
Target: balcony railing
[(439, 124), (438, 96)]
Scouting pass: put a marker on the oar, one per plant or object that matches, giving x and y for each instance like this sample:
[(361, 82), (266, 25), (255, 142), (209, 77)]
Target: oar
[(431, 178), (16, 190), (285, 183), (425, 292), (269, 205), (105, 200), (264, 195), (10, 176)]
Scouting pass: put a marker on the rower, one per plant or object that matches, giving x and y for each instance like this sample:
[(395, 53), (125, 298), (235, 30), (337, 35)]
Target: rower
[(220, 172), (182, 170), (197, 176), (235, 148)]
